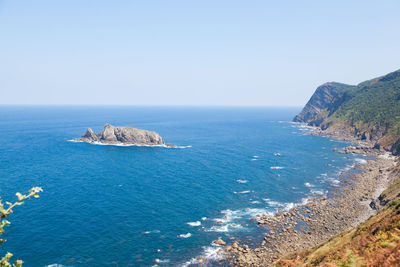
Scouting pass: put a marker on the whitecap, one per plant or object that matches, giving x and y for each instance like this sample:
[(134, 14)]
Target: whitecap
[(183, 146), (218, 228), (196, 223), (253, 159), (161, 261), (252, 212), (271, 202), (241, 181), (151, 232), (255, 202), (244, 192), (203, 218), (308, 184), (335, 181), (187, 235), (212, 252)]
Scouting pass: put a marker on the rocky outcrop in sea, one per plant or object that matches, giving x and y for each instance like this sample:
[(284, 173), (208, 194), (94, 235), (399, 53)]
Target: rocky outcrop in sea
[(123, 136)]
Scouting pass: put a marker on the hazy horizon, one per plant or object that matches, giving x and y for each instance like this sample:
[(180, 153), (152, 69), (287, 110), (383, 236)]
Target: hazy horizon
[(177, 53)]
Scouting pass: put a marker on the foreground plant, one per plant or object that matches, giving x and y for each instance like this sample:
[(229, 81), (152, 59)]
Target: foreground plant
[(4, 212)]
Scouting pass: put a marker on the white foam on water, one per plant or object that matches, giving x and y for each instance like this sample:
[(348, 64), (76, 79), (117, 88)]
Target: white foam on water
[(289, 206), (308, 185), (252, 212), (271, 202), (151, 232), (212, 252), (161, 261), (244, 192), (284, 206), (227, 222), (304, 201), (203, 218), (255, 202), (127, 145), (255, 156), (187, 235), (361, 161), (196, 223), (242, 181), (183, 146), (228, 216), (318, 192), (253, 159), (218, 228), (348, 167)]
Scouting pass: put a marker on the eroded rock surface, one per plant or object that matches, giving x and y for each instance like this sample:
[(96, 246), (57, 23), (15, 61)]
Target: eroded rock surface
[(123, 136)]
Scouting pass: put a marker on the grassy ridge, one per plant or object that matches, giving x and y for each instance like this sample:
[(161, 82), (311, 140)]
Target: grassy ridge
[(376, 101), (370, 110)]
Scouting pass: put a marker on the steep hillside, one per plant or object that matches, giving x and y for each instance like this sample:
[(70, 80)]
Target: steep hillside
[(369, 111), (326, 99)]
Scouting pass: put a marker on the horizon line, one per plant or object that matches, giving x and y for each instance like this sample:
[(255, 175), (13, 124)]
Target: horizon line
[(146, 105)]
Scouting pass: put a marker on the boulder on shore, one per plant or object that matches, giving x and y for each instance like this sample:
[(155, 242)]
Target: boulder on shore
[(219, 242)]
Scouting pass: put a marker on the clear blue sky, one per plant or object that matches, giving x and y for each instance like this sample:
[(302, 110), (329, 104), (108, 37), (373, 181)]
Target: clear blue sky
[(269, 53)]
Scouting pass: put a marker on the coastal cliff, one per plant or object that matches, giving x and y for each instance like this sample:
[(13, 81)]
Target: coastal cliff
[(369, 111), (358, 223), (124, 136), (326, 99)]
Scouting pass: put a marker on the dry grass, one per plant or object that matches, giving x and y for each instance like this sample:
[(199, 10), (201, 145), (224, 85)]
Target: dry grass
[(376, 242)]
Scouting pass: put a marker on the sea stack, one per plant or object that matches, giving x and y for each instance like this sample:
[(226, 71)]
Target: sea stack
[(123, 136)]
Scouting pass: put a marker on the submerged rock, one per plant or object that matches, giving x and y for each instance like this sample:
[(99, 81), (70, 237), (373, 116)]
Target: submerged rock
[(124, 136)]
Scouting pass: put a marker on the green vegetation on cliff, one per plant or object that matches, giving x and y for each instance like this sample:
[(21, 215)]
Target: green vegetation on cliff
[(370, 110), (374, 102)]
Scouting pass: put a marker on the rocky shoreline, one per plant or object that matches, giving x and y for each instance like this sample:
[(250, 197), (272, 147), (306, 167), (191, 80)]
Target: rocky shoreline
[(346, 206)]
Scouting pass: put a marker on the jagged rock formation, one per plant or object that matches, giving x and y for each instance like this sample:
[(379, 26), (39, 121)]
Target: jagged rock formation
[(369, 111), (323, 102), (124, 136)]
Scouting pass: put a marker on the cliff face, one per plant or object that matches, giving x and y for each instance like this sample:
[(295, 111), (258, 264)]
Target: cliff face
[(369, 111), (122, 135), (323, 102)]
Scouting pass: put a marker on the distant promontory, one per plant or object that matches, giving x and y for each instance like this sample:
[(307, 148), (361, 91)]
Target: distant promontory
[(123, 136)]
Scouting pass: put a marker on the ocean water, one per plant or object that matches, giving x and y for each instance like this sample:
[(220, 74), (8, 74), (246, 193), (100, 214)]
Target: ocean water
[(145, 206)]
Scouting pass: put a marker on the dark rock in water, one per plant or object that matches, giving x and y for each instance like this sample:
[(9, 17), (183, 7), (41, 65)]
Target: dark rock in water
[(123, 136)]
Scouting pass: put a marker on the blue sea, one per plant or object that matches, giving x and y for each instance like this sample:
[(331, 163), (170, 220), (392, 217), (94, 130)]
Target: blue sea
[(147, 206)]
